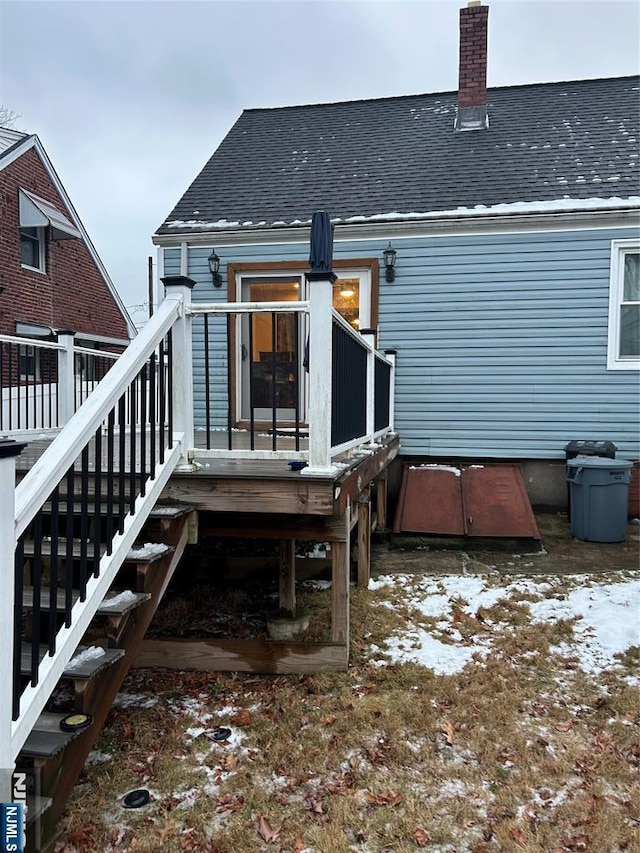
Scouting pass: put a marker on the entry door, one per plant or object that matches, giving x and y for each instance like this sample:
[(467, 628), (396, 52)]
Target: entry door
[(271, 352)]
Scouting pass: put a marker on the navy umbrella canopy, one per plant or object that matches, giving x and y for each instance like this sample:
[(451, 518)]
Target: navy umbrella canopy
[(321, 252)]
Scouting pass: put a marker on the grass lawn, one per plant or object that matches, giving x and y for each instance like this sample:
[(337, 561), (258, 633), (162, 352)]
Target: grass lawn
[(481, 713)]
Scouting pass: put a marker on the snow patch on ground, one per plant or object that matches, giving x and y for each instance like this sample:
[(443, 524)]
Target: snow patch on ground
[(607, 618), (608, 622), (134, 700)]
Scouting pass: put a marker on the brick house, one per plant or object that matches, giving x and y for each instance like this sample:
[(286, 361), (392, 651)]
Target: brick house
[(51, 277)]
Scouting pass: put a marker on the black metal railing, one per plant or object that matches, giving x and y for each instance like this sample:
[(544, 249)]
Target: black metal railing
[(62, 547), (382, 392), (348, 386), (270, 415)]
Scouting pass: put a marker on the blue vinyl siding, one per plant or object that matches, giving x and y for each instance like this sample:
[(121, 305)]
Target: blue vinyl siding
[(501, 340), (172, 262), (502, 346)]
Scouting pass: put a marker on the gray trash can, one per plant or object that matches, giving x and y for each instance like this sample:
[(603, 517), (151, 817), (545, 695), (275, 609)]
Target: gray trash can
[(599, 498)]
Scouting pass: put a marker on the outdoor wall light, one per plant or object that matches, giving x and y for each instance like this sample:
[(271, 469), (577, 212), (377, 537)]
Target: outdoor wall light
[(214, 267), (389, 255)]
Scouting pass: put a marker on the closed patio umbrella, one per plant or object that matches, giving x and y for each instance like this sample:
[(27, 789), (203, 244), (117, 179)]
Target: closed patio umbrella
[(321, 251)]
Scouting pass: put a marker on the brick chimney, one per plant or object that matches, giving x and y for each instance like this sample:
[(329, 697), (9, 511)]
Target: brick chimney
[(472, 88)]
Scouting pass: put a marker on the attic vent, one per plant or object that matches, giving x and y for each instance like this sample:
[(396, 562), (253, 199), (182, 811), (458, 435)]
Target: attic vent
[(472, 88)]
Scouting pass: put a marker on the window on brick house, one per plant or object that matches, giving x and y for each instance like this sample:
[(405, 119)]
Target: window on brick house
[(32, 248), (29, 362)]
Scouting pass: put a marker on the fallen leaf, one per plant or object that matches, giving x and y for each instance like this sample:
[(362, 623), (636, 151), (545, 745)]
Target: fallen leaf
[(242, 718), (564, 726), (421, 837), (228, 762), (266, 832), (230, 803), (448, 730), (384, 798), (518, 836), (299, 845), (329, 720), (316, 807)]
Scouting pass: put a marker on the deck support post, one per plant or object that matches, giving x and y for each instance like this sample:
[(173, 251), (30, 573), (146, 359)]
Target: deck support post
[(381, 501), (66, 390), (288, 576), (8, 452), (180, 286), (320, 371), (364, 538), (340, 585)]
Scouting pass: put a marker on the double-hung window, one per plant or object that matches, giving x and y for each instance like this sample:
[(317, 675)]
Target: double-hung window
[(624, 306), (32, 254)]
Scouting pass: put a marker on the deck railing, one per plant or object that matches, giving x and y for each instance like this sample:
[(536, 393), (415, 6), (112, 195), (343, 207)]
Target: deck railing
[(107, 466), (333, 393), (43, 382)]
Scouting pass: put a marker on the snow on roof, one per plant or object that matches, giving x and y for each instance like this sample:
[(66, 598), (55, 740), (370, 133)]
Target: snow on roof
[(560, 205)]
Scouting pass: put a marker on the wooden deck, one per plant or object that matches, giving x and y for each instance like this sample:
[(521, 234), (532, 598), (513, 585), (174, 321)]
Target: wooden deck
[(258, 498), (265, 499)]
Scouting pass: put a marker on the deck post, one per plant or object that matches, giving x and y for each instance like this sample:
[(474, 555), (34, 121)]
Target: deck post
[(364, 537), (369, 336), (66, 390), (340, 580), (391, 356), (381, 501), (8, 452), (180, 287), (320, 371), (287, 597)]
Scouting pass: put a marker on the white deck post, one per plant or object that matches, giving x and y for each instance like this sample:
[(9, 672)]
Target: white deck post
[(180, 287), (8, 452), (391, 355), (66, 389), (369, 336), (320, 371)]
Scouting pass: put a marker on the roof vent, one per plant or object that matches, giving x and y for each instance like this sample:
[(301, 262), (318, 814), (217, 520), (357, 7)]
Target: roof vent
[(472, 88)]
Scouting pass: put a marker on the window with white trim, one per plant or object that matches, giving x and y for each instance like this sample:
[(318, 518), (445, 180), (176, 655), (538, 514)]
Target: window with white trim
[(32, 254), (624, 306), (29, 359)]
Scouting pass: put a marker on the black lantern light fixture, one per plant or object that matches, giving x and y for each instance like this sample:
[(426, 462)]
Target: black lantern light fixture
[(214, 267), (389, 255)]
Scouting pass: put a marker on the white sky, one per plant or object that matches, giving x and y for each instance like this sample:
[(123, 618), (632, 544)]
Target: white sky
[(131, 97)]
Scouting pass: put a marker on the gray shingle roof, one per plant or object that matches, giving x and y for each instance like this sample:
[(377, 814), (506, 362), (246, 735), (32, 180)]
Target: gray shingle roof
[(546, 141)]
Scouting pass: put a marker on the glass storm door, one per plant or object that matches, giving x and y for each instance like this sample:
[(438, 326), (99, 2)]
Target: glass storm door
[(271, 352)]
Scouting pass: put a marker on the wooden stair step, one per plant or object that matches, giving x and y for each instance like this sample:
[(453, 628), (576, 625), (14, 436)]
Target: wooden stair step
[(36, 807), (113, 604), (81, 670), (148, 553), (47, 738), (160, 511)]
